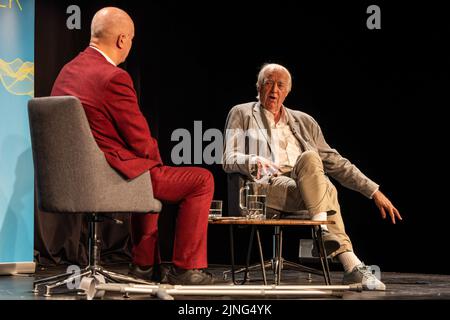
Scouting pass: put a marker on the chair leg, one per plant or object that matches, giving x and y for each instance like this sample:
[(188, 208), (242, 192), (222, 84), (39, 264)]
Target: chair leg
[(48, 280), (94, 256), (117, 277), (91, 270), (55, 279), (75, 277)]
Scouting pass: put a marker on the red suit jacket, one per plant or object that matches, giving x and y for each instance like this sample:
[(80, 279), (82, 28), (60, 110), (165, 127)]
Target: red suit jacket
[(111, 106)]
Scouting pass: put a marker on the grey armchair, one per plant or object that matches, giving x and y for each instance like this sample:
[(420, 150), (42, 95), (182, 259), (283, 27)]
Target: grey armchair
[(73, 177)]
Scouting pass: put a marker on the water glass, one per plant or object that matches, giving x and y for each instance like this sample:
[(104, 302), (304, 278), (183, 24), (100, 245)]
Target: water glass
[(215, 211)]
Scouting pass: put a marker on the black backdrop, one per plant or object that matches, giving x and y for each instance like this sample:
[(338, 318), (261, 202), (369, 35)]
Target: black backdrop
[(379, 96)]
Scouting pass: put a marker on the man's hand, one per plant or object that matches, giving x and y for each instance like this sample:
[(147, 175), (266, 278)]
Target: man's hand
[(385, 205), (266, 168)]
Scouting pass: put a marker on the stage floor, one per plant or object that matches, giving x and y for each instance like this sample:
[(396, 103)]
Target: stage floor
[(400, 286)]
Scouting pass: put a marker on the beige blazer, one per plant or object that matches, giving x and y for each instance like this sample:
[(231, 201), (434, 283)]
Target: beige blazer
[(249, 117)]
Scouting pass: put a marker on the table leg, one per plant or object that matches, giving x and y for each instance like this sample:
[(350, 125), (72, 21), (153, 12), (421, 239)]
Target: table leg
[(261, 257), (232, 253)]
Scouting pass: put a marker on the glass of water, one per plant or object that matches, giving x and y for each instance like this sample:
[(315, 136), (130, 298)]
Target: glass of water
[(215, 211), (256, 207)]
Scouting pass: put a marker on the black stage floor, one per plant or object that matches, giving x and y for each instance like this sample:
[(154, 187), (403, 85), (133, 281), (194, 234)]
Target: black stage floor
[(400, 286)]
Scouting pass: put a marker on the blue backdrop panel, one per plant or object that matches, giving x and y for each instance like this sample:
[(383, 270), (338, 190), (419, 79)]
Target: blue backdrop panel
[(16, 166)]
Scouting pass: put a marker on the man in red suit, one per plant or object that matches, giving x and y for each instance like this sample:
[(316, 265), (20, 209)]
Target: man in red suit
[(122, 133)]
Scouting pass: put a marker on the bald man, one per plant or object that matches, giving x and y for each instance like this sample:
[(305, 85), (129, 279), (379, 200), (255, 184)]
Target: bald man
[(122, 133)]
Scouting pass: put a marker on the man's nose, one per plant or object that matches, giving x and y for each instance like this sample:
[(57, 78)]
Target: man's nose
[(274, 87)]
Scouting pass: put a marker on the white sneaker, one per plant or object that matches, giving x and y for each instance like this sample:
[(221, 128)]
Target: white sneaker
[(362, 274)]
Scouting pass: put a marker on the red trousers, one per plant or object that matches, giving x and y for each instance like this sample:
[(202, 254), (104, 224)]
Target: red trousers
[(193, 189)]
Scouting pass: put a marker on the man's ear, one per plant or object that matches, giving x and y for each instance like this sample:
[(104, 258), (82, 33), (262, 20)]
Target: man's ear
[(120, 41)]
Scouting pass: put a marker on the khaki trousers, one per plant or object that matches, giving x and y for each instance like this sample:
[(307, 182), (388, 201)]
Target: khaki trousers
[(308, 188)]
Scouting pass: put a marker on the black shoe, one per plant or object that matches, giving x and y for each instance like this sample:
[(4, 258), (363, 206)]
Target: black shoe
[(189, 276), (157, 273), (330, 242), (161, 273), (144, 273)]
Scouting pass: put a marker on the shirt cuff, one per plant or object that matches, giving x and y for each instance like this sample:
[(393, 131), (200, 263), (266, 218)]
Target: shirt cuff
[(371, 196)]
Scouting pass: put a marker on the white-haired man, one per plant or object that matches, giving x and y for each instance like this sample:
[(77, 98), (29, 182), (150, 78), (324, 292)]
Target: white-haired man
[(292, 150)]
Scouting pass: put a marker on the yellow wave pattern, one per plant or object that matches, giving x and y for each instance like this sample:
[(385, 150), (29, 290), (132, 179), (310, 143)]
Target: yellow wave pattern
[(17, 77)]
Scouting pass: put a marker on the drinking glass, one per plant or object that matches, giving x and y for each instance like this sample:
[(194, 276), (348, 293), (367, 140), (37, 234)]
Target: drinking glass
[(215, 211)]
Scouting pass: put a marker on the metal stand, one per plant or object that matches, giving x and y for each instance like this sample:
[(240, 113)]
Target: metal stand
[(93, 270), (277, 263), (166, 292)]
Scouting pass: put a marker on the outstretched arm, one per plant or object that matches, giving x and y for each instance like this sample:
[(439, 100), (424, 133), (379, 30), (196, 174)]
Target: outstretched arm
[(385, 206)]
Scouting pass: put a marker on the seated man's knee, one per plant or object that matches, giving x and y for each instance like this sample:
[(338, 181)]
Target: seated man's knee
[(308, 158), (310, 155), (207, 178)]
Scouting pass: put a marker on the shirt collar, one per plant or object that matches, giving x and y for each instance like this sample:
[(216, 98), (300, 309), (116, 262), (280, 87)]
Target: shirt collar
[(271, 118), (104, 54)]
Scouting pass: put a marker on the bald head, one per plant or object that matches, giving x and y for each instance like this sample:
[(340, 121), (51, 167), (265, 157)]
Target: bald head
[(112, 31)]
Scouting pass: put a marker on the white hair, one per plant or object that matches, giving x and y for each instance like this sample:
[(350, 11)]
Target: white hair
[(270, 67)]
